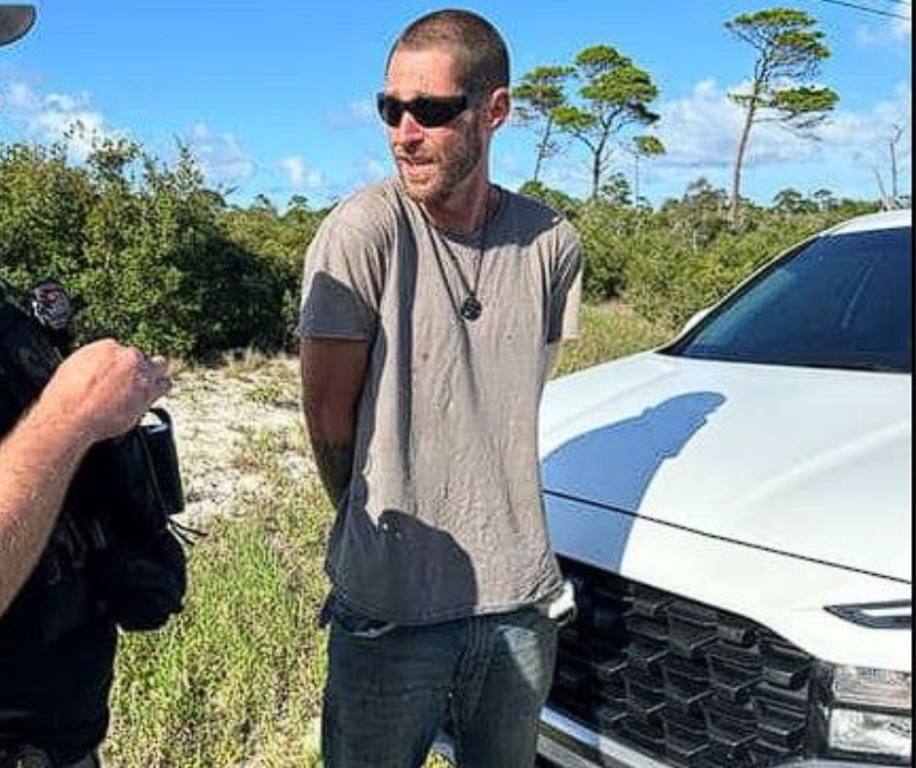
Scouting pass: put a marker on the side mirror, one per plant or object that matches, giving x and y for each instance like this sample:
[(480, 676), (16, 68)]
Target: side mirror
[(15, 21), (694, 319)]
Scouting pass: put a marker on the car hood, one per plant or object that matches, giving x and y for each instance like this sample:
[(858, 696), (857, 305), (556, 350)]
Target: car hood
[(812, 463)]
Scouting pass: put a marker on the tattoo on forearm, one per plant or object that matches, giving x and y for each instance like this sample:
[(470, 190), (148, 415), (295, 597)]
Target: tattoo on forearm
[(335, 465)]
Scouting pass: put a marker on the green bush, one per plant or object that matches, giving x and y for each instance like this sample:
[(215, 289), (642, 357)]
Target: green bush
[(668, 276), (669, 263), (150, 255), (156, 259), (43, 208)]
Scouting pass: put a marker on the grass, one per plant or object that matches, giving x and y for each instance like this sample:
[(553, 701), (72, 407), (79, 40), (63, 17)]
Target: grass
[(267, 393), (608, 332), (236, 680)]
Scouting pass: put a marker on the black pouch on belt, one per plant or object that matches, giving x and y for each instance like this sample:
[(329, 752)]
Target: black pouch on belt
[(131, 485)]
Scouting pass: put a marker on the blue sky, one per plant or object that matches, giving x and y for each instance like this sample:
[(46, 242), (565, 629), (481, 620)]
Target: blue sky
[(276, 98)]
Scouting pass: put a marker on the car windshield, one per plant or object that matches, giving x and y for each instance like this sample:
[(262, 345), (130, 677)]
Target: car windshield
[(840, 301)]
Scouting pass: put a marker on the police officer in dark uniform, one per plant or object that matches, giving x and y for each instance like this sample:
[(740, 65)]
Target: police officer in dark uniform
[(84, 544), (56, 665)]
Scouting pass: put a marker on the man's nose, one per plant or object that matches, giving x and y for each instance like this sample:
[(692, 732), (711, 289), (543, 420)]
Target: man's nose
[(408, 131)]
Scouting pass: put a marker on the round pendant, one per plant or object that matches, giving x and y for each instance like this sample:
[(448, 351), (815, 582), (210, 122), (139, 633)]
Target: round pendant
[(471, 308)]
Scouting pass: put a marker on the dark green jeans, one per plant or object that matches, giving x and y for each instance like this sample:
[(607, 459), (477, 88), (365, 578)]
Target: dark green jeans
[(391, 689)]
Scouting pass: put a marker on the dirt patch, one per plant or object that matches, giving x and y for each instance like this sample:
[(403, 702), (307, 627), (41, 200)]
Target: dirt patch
[(214, 411)]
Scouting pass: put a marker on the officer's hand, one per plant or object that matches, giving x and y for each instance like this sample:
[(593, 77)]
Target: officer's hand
[(104, 388)]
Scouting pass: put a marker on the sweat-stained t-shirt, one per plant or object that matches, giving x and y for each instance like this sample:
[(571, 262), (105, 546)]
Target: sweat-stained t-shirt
[(443, 518)]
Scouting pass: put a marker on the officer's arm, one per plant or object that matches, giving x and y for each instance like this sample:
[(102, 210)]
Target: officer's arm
[(333, 373), (37, 462), (98, 392)]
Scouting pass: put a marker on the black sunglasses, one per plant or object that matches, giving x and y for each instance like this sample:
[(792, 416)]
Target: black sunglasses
[(428, 111)]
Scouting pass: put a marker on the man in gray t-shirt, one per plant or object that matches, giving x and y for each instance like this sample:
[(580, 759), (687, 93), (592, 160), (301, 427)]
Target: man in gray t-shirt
[(432, 307)]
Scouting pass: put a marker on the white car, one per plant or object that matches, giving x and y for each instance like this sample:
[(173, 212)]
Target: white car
[(734, 511)]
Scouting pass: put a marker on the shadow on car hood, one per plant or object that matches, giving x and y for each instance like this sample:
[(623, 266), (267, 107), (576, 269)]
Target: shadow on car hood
[(805, 462)]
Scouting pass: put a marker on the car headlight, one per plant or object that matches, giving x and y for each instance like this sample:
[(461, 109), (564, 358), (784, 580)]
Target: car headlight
[(871, 733), (866, 713)]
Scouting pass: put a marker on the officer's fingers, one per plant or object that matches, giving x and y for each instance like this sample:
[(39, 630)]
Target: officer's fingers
[(162, 384), (155, 380), (159, 365), (134, 358), (152, 392)]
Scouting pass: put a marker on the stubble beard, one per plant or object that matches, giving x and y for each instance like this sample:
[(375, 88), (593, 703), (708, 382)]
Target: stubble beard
[(449, 172)]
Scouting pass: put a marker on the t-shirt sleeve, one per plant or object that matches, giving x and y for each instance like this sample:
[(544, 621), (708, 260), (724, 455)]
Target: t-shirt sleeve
[(342, 285), (566, 289)]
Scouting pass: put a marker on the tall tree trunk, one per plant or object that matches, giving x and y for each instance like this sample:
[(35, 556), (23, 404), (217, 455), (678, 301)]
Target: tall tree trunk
[(542, 148), (597, 165), (739, 160), (885, 200), (596, 176), (636, 181), (894, 169)]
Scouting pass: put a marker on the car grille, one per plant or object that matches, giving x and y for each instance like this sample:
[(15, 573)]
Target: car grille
[(683, 682)]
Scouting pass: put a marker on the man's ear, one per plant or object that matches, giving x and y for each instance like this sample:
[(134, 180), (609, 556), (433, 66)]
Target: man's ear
[(500, 108)]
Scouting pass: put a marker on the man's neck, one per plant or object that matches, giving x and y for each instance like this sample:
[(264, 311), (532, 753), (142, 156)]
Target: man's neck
[(465, 210)]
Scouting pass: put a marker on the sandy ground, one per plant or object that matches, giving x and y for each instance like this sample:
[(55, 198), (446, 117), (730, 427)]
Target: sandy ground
[(213, 411)]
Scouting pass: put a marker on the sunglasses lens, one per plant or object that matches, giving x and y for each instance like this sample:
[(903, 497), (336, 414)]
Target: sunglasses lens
[(427, 111), (432, 113), (390, 109)]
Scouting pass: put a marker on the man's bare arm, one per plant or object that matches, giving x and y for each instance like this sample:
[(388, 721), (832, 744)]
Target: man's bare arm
[(99, 392), (333, 374)]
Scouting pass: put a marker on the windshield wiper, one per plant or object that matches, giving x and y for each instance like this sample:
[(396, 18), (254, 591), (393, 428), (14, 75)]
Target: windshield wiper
[(876, 367), (720, 355), (847, 366)]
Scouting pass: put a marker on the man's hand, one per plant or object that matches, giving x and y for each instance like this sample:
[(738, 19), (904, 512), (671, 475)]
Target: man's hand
[(104, 388)]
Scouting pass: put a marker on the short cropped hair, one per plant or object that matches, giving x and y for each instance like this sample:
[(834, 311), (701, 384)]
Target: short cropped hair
[(479, 49)]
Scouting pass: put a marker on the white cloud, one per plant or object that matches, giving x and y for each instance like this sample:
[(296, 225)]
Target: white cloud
[(897, 30), (902, 28), (573, 177), (376, 170), (902, 24), (200, 132), (354, 114), (371, 168), (219, 155), (54, 116), (863, 139), (300, 175), (866, 35), (701, 131)]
